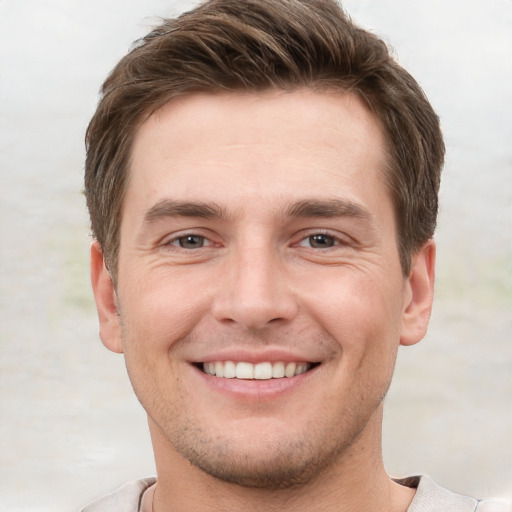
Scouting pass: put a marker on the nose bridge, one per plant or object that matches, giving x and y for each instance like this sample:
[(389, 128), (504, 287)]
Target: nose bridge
[(257, 291)]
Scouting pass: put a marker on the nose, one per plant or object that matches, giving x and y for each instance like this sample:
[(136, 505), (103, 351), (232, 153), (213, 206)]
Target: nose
[(255, 290)]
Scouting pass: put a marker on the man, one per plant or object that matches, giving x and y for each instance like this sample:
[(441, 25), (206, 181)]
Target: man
[(262, 181)]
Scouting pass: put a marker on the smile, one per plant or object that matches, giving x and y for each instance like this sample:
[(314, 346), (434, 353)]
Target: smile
[(259, 371)]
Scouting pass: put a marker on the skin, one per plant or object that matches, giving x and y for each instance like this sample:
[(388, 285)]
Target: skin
[(293, 256)]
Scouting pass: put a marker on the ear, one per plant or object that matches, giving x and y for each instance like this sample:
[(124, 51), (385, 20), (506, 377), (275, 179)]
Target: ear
[(419, 295), (106, 301)]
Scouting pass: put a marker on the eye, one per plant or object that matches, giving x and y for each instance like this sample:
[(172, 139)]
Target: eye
[(190, 241), (320, 241)]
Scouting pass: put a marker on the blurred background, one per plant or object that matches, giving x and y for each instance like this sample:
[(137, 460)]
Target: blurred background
[(70, 427)]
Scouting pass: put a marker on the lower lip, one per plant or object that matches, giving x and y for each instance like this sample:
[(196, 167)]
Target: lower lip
[(254, 389)]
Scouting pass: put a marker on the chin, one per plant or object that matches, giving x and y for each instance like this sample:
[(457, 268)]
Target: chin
[(284, 468), (263, 458)]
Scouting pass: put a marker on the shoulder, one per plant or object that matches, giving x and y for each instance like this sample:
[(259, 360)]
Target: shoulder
[(125, 499), (431, 497)]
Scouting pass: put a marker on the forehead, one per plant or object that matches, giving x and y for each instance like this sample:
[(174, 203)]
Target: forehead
[(231, 148)]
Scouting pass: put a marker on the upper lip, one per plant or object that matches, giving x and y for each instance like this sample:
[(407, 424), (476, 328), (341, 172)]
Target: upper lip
[(272, 355)]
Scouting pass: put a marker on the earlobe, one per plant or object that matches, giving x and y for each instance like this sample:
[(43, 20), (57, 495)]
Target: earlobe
[(106, 301), (420, 293)]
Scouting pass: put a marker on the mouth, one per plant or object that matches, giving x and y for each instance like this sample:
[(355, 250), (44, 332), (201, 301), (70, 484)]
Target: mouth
[(260, 371)]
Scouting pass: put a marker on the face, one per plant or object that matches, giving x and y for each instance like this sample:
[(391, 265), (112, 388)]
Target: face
[(260, 299)]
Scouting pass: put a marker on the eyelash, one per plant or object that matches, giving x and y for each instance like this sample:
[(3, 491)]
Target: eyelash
[(331, 242), (177, 241)]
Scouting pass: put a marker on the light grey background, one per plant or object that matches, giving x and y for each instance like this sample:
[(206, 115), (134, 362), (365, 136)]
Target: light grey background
[(70, 427)]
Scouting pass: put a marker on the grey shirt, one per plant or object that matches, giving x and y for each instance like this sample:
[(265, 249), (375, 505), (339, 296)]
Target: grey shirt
[(429, 497)]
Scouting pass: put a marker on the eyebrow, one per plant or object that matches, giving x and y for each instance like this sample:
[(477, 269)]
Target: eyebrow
[(313, 208), (328, 209), (170, 208)]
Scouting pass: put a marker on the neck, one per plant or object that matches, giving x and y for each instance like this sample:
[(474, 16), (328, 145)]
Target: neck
[(356, 481)]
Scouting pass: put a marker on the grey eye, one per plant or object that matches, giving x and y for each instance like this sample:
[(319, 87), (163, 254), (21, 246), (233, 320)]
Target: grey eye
[(191, 241), (321, 241)]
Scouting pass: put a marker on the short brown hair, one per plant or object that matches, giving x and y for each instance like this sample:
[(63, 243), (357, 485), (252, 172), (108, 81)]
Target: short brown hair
[(256, 45)]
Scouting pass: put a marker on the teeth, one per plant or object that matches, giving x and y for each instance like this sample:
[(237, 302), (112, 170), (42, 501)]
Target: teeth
[(219, 369), (263, 371), (289, 371), (301, 368), (259, 371), (244, 371), (278, 370), (229, 370)]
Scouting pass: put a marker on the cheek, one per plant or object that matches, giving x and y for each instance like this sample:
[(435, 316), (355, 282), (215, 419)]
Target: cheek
[(158, 314), (362, 317), (161, 310), (151, 334), (362, 313)]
